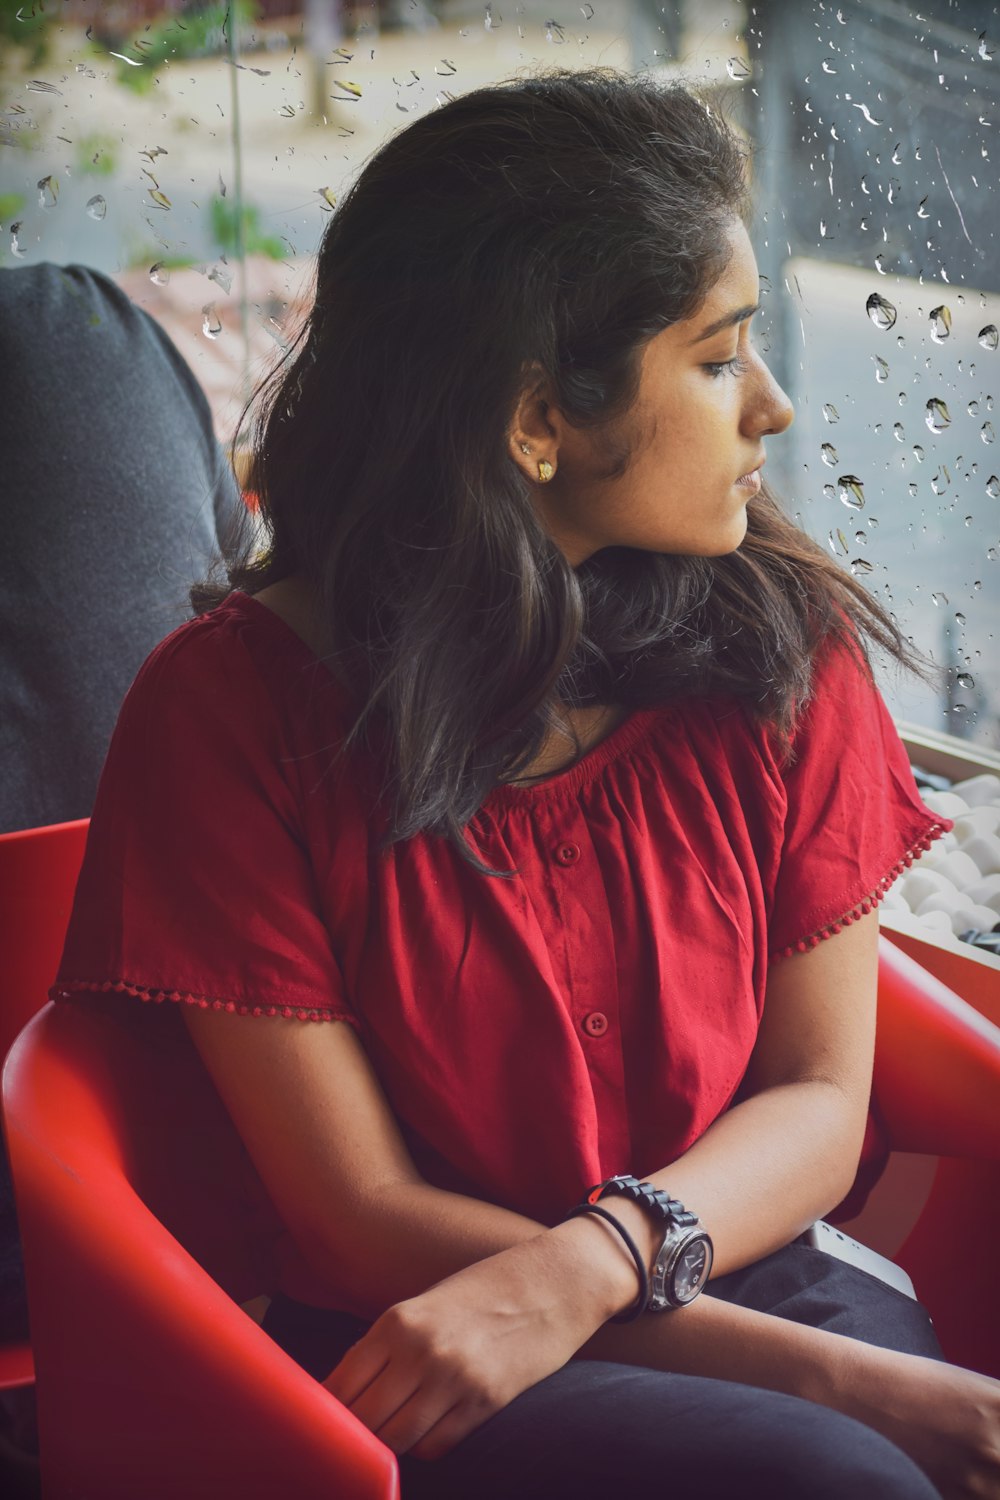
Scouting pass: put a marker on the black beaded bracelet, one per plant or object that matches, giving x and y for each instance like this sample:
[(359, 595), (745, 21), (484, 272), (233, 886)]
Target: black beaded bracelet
[(631, 1313)]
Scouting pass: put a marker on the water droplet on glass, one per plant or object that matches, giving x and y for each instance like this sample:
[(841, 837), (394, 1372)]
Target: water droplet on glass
[(872, 523), (829, 493), (159, 198), (940, 324), (492, 22), (97, 206), (896, 158), (959, 617), (918, 453), (881, 369), (993, 487), (939, 483), (881, 312), (989, 337), (973, 408), (861, 565), (987, 432), (829, 453), (831, 413), (48, 192), (827, 66), (937, 415), (913, 490), (965, 680), (922, 209), (838, 542), (16, 248), (738, 68), (158, 274), (852, 491), (211, 327), (939, 599), (985, 50), (879, 265), (902, 398), (861, 537), (221, 278)]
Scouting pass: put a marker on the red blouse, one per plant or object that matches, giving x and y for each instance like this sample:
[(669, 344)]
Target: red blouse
[(592, 1015)]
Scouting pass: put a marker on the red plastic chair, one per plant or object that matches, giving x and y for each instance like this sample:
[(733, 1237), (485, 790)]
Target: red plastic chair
[(151, 1379), (38, 871)]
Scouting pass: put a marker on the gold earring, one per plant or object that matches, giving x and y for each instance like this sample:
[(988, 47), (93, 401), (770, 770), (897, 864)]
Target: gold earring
[(545, 470)]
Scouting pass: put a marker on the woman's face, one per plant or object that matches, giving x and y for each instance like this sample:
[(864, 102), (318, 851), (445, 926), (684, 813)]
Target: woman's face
[(706, 401)]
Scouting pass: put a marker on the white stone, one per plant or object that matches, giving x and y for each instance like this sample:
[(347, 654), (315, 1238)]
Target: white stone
[(946, 901), (978, 789), (945, 804), (984, 850), (985, 918), (985, 819), (936, 921), (917, 885), (961, 866), (986, 892)]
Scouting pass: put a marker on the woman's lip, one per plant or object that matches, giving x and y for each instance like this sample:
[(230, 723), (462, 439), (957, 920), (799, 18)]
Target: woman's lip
[(751, 480)]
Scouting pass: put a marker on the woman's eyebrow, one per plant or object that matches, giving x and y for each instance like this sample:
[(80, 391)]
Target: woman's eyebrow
[(740, 315)]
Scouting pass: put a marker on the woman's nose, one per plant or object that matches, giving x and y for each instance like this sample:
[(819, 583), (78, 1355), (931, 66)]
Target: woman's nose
[(770, 411)]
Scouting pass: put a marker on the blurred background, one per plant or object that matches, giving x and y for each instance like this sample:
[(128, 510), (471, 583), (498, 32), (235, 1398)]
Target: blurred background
[(194, 151)]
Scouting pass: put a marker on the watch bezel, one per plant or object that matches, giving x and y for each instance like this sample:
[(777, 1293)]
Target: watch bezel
[(675, 1242)]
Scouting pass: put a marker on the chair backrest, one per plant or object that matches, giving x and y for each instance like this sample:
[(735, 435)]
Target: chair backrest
[(151, 1379), (38, 871)]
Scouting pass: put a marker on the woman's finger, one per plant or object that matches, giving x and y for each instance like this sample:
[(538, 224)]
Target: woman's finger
[(425, 1413), (358, 1368), (454, 1425)]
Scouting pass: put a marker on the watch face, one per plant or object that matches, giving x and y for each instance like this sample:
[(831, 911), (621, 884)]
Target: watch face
[(691, 1268)]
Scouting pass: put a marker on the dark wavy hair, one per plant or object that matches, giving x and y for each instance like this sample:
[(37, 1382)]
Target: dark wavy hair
[(562, 220)]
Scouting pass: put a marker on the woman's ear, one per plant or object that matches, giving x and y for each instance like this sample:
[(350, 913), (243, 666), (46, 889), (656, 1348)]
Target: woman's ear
[(533, 436)]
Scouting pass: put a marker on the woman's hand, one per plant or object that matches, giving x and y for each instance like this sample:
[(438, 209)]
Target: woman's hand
[(947, 1419), (433, 1368)]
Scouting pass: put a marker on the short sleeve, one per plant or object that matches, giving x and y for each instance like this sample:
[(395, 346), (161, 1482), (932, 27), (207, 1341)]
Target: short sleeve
[(197, 884), (853, 817)]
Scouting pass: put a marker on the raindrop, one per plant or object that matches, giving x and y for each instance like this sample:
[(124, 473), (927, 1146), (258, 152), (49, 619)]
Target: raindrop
[(862, 565), (922, 209), (896, 158), (861, 537), (738, 68), (993, 487), (973, 408), (829, 453), (492, 22), (221, 278), (872, 523), (881, 369), (965, 680), (852, 491), (894, 190), (985, 50), (937, 415), (989, 337), (987, 432), (829, 493), (939, 599), (898, 433), (959, 618), (160, 199), (880, 268), (881, 312), (97, 206), (940, 482), (211, 327), (838, 542), (918, 454), (831, 413), (913, 491), (15, 245), (828, 66), (902, 398), (39, 86), (940, 323), (48, 192), (158, 274)]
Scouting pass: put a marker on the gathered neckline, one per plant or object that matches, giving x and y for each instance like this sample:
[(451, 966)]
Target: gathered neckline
[(633, 728)]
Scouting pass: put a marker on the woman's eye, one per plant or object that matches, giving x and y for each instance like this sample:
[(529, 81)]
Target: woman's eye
[(735, 366)]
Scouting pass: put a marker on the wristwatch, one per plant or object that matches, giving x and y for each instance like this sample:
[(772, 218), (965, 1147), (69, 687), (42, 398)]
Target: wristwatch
[(684, 1260)]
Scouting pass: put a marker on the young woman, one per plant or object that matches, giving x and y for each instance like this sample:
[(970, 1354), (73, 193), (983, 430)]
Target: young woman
[(540, 751)]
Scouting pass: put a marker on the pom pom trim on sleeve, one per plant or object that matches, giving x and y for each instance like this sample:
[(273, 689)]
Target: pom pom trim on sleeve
[(870, 901), (68, 989)]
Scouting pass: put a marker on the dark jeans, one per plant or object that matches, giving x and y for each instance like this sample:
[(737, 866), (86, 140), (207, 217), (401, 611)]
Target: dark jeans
[(595, 1430)]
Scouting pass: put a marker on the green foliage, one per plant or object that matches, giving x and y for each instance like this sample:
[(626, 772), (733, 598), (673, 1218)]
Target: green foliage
[(11, 205), (226, 220), (23, 23), (95, 155), (199, 32)]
